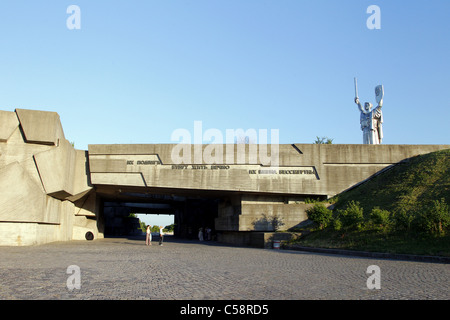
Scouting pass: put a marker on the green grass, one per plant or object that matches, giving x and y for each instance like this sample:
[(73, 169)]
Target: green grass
[(408, 184), (408, 187), (375, 241)]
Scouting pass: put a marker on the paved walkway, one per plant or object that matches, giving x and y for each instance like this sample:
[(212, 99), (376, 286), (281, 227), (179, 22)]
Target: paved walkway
[(123, 268)]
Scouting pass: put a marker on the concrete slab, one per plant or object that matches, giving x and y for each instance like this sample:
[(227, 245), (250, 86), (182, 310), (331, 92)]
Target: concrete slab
[(57, 170), (8, 123), (21, 199), (40, 127)]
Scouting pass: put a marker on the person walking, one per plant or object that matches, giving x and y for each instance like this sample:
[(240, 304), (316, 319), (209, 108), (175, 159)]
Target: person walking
[(161, 235), (208, 234), (148, 238), (200, 234)]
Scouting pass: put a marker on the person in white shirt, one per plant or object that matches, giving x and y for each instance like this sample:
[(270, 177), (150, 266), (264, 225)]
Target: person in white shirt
[(200, 234), (161, 235)]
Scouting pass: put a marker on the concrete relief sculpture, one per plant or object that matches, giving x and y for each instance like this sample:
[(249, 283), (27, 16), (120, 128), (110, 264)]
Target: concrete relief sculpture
[(371, 118)]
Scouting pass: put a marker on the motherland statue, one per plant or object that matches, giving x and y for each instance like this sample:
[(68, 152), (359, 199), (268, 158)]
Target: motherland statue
[(371, 119)]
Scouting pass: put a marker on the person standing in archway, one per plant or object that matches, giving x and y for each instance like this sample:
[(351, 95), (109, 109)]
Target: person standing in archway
[(200, 234), (161, 235), (148, 238)]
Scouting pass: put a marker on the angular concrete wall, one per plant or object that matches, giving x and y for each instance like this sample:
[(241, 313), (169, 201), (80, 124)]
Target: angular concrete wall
[(8, 123), (57, 170), (41, 127), (43, 181), (254, 196), (46, 186), (303, 169)]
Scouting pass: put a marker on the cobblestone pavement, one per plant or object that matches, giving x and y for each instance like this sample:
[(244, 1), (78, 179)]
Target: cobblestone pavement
[(123, 268)]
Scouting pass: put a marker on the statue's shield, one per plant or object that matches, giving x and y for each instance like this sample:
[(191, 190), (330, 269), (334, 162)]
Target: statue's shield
[(379, 93)]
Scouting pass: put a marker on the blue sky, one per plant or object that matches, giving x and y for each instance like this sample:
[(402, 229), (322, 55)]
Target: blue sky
[(138, 70), (158, 220)]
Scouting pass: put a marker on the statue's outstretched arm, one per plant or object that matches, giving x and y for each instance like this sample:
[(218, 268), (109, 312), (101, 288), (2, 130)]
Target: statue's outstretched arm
[(379, 94), (359, 104), (380, 104), (377, 110)]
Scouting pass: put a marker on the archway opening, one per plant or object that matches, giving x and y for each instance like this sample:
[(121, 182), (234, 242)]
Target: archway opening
[(128, 214)]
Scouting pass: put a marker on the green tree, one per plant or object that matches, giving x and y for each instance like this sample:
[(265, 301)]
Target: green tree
[(320, 214), (402, 219), (170, 228), (143, 226), (352, 217), (380, 218), (323, 140), (434, 218)]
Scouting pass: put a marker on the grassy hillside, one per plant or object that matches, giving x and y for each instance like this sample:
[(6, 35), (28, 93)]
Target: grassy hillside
[(407, 185), (411, 211)]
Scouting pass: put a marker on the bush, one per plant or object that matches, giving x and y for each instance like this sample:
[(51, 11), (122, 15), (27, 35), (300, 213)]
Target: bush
[(337, 224), (380, 218), (351, 217), (402, 219), (320, 214), (434, 218)]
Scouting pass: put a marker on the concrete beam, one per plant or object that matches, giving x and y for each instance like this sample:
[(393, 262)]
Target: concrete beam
[(304, 169), (8, 123), (41, 127), (57, 170)]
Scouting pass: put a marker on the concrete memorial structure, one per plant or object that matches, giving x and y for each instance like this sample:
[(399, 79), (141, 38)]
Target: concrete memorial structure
[(45, 193), (50, 191)]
